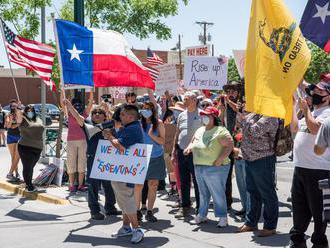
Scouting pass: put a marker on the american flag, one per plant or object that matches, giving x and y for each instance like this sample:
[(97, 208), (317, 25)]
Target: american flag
[(153, 60), (30, 54)]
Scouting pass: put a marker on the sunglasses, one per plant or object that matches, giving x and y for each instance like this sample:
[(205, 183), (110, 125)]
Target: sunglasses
[(205, 105), (98, 112)]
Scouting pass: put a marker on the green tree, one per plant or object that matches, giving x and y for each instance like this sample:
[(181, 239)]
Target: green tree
[(320, 64), (139, 17), (24, 15), (232, 71)]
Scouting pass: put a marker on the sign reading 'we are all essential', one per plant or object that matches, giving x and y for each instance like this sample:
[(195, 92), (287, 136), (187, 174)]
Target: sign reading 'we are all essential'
[(131, 166), (205, 73)]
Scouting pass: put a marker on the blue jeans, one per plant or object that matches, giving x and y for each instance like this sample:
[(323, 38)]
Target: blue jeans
[(260, 183), (240, 172), (211, 181)]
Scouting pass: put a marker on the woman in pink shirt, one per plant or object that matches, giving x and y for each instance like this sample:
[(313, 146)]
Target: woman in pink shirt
[(76, 146)]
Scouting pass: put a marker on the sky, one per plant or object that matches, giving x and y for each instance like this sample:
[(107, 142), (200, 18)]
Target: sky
[(230, 18)]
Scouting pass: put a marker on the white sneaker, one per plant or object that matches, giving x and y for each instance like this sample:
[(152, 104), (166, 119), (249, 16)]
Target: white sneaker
[(223, 222), (122, 232), (138, 236), (199, 219)]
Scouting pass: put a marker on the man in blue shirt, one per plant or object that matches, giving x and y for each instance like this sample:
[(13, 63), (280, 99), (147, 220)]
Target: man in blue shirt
[(130, 134)]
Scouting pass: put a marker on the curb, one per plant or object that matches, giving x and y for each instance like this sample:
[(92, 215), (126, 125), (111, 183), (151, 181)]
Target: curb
[(18, 190)]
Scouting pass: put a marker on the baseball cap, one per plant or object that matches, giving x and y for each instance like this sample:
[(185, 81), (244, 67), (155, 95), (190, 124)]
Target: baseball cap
[(321, 85), (210, 111), (325, 76)]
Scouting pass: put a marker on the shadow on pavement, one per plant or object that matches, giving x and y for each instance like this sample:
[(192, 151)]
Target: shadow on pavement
[(91, 223), (211, 227), (33, 216), (158, 226), (123, 242), (278, 240)]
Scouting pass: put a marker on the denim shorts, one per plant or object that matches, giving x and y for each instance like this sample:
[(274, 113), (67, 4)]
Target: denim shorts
[(12, 139)]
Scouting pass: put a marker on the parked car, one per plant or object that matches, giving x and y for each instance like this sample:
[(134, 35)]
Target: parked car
[(51, 110)]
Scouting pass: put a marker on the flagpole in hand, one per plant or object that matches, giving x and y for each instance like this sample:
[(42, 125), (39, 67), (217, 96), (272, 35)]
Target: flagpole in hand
[(11, 70)]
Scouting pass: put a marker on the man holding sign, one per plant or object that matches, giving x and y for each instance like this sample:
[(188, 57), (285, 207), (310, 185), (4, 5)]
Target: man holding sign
[(129, 135)]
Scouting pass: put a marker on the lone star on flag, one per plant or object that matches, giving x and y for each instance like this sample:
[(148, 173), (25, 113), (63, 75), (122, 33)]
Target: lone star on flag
[(322, 12), (75, 52)]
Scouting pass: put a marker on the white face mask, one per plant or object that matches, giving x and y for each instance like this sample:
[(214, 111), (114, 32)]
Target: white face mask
[(205, 120), (146, 113), (30, 115)]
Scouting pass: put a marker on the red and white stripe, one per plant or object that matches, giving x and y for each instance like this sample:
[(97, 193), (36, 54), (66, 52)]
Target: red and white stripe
[(34, 56), (155, 60)]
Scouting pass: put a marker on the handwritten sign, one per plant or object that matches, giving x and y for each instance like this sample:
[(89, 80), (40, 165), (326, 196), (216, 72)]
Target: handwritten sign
[(167, 79), (130, 166), (198, 50), (118, 92), (239, 56), (205, 73)]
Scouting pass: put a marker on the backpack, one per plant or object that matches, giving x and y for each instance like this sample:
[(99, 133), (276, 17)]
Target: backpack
[(283, 139)]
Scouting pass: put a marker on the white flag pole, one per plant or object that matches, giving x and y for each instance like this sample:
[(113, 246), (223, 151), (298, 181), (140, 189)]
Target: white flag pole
[(59, 61), (11, 70)]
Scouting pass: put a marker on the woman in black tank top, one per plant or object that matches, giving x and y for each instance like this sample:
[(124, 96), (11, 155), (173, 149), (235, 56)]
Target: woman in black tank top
[(13, 136)]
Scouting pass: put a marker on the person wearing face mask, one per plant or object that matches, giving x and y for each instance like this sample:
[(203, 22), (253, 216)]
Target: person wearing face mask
[(154, 134), (211, 146), (307, 202), (30, 144), (2, 128), (76, 145), (93, 133), (13, 136)]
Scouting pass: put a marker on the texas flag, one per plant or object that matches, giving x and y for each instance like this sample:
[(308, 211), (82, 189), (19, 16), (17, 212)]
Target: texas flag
[(94, 57), (315, 23)]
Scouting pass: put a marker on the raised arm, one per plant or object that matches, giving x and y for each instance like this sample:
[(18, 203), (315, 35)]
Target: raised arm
[(80, 119), (90, 103)]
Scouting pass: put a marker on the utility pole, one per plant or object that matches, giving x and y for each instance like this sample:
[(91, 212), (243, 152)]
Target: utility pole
[(79, 18), (204, 25), (180, 57), (43, 86)]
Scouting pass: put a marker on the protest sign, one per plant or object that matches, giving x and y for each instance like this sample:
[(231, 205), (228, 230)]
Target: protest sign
[(199, 50), (118, 92), (167, 79), (205, 73), (131, 166), (239, 56)]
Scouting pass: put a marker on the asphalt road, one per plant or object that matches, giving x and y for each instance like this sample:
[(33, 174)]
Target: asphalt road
[(29, 224)]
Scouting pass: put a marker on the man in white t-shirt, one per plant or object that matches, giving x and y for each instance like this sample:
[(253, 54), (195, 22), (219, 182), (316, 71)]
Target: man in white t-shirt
[(307, 199)]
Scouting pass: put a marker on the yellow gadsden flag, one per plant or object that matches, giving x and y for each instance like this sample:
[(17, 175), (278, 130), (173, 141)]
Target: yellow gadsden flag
[(277, 58)]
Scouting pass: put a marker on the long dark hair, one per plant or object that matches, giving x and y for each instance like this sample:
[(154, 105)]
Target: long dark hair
[(30, 107), (153, 118)]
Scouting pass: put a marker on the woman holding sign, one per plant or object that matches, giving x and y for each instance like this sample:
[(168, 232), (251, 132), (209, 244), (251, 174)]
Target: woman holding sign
[(211, 146), (154, 134)]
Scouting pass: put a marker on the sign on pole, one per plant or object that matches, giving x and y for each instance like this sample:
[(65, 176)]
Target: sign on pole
[(239, 56), (167, 79), (130, 166), (204, 50), (205, 73)]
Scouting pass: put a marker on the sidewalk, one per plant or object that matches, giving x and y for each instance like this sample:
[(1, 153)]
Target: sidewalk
[(51, 194)]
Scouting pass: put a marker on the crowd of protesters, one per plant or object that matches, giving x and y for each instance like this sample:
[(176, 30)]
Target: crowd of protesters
[(198, 140)]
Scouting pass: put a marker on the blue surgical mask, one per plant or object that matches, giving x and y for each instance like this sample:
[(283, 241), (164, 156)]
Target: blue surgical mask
[(146, 113), (30, 115)]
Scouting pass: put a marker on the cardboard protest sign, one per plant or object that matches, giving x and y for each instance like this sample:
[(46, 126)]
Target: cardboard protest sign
[(239, 56), (167, 79), (205, 73), (130, 166)]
